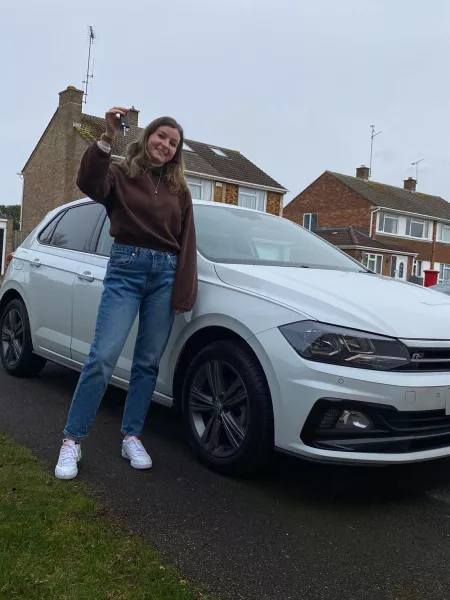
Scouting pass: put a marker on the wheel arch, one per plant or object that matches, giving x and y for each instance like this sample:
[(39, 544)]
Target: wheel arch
[(11, 294), (200, 339)]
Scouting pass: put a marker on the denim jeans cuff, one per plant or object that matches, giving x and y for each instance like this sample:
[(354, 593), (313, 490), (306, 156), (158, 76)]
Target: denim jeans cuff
[(130, 433), (77, 438)]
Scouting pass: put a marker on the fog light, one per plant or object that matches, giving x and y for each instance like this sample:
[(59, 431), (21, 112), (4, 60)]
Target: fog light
[(330, 418), (350, 419)]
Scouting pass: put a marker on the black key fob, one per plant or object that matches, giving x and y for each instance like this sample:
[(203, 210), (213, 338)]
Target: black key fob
[(124, 123)]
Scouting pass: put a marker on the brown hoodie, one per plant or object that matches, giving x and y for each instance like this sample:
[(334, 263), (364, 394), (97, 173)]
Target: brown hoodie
[(140, 217)]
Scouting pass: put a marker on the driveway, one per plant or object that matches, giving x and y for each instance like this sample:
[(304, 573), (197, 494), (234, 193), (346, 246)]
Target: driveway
[(304, 532)]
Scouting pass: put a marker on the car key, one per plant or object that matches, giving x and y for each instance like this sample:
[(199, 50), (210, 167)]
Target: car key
[(124, 123)]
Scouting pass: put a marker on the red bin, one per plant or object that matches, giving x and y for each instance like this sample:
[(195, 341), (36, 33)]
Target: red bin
[(431, 277)]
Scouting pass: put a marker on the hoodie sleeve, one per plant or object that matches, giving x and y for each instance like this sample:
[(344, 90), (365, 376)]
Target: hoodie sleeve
[(186, 278), (95, 176)]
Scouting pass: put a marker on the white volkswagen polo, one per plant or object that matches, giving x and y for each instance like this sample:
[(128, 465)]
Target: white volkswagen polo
[(292, 345)]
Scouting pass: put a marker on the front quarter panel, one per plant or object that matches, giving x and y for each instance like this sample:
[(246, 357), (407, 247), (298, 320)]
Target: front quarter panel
[(219, 305)]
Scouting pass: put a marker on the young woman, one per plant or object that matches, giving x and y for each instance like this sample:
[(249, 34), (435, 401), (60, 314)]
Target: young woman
[(152, 272)]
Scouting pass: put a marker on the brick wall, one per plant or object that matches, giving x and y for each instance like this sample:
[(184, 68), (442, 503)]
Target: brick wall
[(335, 204), (274, 204), (49, 176), (423, 249), (219, 192), (231, 194)]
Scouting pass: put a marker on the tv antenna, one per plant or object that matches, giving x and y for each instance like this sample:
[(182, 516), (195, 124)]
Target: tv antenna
[(416, 164), (91, 37), (371, 147)]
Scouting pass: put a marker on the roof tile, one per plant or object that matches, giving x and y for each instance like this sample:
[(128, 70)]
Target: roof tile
[(349, 236), (395, 198)]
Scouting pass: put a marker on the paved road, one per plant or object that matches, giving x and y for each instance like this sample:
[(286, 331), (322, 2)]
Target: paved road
[(305, 532)]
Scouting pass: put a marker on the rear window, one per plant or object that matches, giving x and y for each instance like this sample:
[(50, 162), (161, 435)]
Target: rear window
[(73, 230)]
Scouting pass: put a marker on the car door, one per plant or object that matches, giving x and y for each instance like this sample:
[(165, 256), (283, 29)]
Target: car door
[(52, 264), (88, 288)]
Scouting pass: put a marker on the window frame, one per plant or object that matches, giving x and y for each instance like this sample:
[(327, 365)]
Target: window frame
[(417, 262), (252, 193), (415, 220), (373, 256), (309, 228), (381, 222), (442, 268), (442, 228), (199, 182), (218, 152)]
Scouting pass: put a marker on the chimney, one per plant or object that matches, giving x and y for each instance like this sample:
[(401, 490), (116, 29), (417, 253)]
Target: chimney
[(71, 95), (410, 184), (363, 172), (133, 115)]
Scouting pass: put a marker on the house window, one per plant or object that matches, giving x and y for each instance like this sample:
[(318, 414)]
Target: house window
[(250, 198), (219, 152), (388, 223), (445, 234), (444, 273), (416, 228), (374, 262), (201, 189), (310, 221), (417, 269)]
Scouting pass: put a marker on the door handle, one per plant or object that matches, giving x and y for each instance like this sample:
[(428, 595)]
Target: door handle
[(86, 276), (35, 263)]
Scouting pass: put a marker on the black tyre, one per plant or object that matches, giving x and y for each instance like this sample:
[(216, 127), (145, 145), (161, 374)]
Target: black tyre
[(16, 347), (227, 409)]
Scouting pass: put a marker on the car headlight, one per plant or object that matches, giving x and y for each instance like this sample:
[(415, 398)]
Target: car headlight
[(337, 345)]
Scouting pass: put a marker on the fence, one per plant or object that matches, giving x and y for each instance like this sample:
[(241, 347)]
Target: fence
[(18, 238)]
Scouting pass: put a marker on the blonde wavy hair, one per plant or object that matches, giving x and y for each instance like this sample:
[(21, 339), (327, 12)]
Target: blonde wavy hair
[(137, 159)]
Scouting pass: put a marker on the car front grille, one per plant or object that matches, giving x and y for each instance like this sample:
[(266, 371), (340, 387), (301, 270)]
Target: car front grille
[(416, 421), (428, 359)]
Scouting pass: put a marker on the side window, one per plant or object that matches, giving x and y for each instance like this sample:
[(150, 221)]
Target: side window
[(105, 241), (46, 234), (76, 226)]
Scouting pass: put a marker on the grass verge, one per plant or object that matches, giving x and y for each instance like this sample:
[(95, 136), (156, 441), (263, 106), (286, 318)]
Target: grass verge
[(56, 543)]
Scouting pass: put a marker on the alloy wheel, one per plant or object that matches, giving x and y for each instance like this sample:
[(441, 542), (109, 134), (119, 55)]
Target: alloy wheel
[(219, 408), (13, 334)]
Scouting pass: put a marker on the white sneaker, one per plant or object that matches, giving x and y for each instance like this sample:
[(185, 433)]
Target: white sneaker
[(134, 451), (69, 455)]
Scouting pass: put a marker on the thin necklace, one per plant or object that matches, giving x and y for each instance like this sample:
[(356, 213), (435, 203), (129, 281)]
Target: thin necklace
[(159, 181)]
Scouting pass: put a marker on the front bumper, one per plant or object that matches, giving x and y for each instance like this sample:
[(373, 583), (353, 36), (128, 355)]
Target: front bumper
[(417, 401), (389, 430)]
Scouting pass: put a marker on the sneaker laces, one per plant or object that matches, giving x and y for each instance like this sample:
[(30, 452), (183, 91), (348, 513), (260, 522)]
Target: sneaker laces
[(137, 445), (67, 453)]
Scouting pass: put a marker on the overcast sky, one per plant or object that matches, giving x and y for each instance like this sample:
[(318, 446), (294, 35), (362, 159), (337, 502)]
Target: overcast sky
[(293, 84)]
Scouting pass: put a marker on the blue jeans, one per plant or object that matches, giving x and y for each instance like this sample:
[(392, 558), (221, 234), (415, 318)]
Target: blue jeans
[(137, 281)]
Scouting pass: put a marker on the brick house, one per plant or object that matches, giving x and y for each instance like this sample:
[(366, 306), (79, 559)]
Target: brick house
[(406, 221), (373, 253), (213, 172)]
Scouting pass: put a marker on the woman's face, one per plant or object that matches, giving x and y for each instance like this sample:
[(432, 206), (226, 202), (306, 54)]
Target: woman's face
[(162, 144)]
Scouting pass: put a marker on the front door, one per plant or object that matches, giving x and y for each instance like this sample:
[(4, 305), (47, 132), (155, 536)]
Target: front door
[(399, 266)]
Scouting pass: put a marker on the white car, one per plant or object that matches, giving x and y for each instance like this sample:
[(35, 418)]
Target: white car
[(292, 344)]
